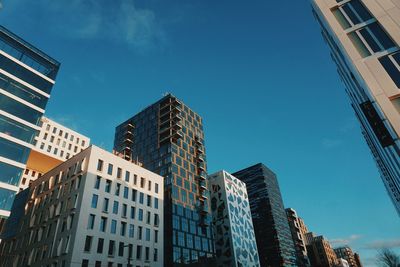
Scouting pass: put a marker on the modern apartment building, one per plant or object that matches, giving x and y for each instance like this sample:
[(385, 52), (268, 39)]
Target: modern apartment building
[(320, 251), (167, 138), (27, 76), (364, 38), (235, 242), (53, 144), (95, 209), (296, 228), (346, 253), (273, 235)]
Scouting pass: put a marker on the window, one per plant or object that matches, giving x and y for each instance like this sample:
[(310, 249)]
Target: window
[(97, 264), (134, 179), (119, 173), (148, 201), (94, 201), (111, 248), (142, 182), (134, 195), (85, 263), (124, 210), (132, 212), (108, 186), (131, 230), (147, 253), (100, 165), (155, 255), (149, 186), (156, 220), (155, 236), (156, 203), (147, 234), (88, 243), (115, 207), (103, 224), (138, 252), (91, 220), (110, 169), (117, 189), (148, 216), (140, 230), (121, 249), (141, 198), (140, 215), (97, 183), (113, 226), (391, 64), (105, 205), (123, 229), (156, 188), (100, 244), (126, 192), (127, 175)]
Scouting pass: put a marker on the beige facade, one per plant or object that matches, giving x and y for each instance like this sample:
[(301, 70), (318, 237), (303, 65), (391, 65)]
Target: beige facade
[(95, 209)]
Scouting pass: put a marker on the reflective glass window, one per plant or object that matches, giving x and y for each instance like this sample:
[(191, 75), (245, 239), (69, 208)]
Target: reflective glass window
[(13, 151), (10, 174), (20, 110), (6, 199)]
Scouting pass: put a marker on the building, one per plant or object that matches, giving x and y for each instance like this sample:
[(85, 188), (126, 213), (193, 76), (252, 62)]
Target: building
[(347, 254), (302, 227), (296, 227), (358, 260), (320, 251), (363, 36), (235, 242), (167, 138), (95, 209), (273, 236), (53, 144), (27, 76), (342, 263)]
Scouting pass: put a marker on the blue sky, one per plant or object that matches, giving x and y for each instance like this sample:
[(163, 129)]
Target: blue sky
[(259, 74)]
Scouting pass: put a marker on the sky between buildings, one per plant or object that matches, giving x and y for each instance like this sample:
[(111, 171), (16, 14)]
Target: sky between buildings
[(259, 74)]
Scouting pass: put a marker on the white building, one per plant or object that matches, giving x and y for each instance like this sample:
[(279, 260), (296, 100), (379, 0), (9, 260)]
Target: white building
[(235, 242), (364, 39), (53, 144), (95, 209)]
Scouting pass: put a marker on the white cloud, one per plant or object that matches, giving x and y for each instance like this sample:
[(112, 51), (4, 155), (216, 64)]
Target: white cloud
[(344, 241), (329, 143), (380, 244)]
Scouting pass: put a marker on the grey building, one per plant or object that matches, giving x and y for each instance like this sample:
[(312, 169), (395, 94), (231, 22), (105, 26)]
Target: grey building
[(363, 36), (27, 76), (273, 236), (167, 138)]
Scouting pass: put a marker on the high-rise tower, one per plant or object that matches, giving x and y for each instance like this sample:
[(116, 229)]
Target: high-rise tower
[(273, 236), (364, 39), (27, 76), (167, 138)]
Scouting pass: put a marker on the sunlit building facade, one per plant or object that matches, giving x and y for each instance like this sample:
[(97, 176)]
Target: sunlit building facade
[(363, 36), (27, 76), (167, 138)]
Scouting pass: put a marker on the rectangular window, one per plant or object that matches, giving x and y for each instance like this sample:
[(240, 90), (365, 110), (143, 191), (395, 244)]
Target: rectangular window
[(140, 230), (391, 64), (148, 217), (97, 183), (100, 245), (131, 230), (140, 215), (134, 195), (91, 221), (132, 212), (113, 226), (142, 182), (138, 252), (110, 169), (155, 258), (100, 165), (141, 198), (111, 248), (124, 210), (134, 179), (126, 192), (117, 189), (147, 234), (119, 173), (155, 236), (127, 176), (105, 205), (115, 207), (149, 186), (156, 220), (103, 224), (121, 249), (88, 243), (147, 254), (156, 203), (123, 229), (108, 186), (148, 201), (85, 263), (94, 201)]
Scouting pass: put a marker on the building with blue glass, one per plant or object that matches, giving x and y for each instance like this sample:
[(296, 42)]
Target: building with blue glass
[(167, 138), (27, 76), (235, 242), (364, 40), (274, 239)]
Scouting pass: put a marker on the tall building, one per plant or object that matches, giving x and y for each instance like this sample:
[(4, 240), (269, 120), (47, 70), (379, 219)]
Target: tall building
[(95, 209), (320, 251), (347, 254), (167, 138), (273, 236), (235, 242), (53, 144), (27, 76), (296, 225), (358, 260), (364, 39)]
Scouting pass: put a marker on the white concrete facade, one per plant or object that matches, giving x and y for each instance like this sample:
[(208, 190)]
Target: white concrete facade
[(364, 37), (56, 142), (90, 211), (235, 241)]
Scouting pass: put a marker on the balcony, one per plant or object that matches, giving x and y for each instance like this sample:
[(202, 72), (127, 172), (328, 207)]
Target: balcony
[(200, 158), (202, 176), (203, 185)]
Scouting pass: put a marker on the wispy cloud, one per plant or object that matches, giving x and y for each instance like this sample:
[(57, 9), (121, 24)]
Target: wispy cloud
[(345, 241), (380, 244), (329, 143), (117, 20)]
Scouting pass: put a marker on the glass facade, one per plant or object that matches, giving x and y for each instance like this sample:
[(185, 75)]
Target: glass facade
[(271, 226), (167, 138), (26, 79)]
